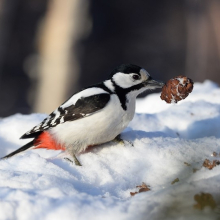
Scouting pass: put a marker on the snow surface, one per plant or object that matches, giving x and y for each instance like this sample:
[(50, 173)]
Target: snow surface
[(169, 141)]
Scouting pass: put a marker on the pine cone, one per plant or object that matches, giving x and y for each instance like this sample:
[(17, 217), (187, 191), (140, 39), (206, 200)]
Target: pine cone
[(176, 89)]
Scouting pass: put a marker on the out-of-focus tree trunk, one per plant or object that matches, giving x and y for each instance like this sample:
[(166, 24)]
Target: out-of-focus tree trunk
[(197, 40), (57, 46), (203, 39), (18, 23), (214, 13), (215, 19)]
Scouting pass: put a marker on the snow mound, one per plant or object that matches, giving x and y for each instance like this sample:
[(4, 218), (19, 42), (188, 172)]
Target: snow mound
[(165, 147)]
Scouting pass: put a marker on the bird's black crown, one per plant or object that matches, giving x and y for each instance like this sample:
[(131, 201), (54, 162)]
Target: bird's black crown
[(126, 68)]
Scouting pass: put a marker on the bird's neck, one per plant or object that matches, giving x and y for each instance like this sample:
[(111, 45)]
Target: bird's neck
[(109, 85), (125, 95)]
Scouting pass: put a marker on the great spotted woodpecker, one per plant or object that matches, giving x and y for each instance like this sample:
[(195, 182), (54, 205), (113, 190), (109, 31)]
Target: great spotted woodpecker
[(93, 116)]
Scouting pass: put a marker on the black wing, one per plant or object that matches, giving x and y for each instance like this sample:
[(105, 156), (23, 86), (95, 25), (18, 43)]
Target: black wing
[(84, 107)]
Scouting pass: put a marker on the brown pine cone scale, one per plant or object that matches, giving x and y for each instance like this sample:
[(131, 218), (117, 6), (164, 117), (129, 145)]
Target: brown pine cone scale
[(176, 89)]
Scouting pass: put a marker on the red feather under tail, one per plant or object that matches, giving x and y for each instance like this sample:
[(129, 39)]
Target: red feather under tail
[(45, 140)]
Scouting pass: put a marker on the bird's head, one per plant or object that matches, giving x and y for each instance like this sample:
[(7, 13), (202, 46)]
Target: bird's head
[(133, 78)]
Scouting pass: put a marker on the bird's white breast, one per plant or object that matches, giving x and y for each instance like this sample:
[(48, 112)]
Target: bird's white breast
[(100, 127)]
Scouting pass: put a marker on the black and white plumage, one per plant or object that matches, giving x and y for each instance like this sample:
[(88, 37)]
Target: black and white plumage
[(96, 114), (83, 107)]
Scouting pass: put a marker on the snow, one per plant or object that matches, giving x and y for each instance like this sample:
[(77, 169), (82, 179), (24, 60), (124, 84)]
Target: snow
[(169, 141)]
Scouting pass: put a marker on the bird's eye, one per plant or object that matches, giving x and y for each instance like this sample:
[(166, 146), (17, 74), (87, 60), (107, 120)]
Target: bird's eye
[(136, 77)]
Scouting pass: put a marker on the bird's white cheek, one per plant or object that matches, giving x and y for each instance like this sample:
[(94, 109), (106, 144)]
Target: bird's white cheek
[(123, 80)]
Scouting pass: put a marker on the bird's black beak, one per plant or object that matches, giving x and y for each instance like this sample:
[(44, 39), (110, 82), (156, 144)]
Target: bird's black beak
[(154, 84)]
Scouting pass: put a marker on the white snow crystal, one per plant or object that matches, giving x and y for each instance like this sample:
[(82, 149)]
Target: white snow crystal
[(181, 80), (169, 142)]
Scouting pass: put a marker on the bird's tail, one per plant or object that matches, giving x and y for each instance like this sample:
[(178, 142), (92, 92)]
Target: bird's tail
[(23, 148), (44, 140)]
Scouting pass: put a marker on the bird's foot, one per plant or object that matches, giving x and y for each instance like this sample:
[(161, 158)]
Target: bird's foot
[(76, 161), (119, 140)]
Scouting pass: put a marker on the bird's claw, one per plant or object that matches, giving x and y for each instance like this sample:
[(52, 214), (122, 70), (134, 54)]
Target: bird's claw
[(119, 140), (76, 161)]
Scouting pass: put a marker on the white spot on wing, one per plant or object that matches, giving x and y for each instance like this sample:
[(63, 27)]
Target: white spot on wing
[(85, 93), (46, 121), (57, 114), (37, 127), (62, 120)]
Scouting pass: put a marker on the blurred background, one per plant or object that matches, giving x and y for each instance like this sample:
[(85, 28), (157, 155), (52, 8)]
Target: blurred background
[(49, 49)]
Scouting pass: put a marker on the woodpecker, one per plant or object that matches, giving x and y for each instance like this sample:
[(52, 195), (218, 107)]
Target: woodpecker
[(93, 116)]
